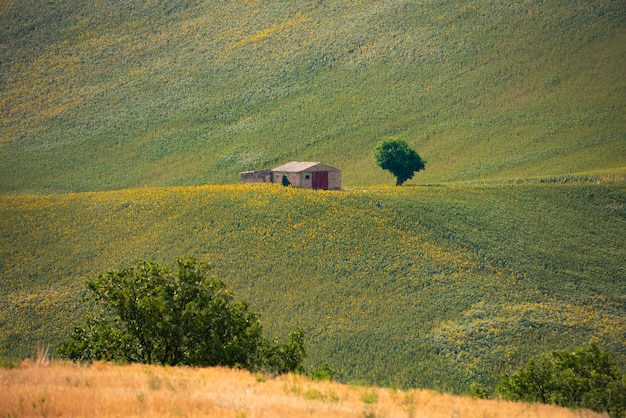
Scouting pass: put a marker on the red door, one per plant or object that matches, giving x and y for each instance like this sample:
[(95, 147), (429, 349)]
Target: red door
[(320, 180)]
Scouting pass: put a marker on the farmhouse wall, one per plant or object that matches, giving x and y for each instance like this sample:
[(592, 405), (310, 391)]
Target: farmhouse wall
[(261, 176), (334, 180), (294, 178)]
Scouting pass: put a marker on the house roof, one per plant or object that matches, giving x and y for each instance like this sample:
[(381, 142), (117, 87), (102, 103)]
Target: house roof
[(299, 166)]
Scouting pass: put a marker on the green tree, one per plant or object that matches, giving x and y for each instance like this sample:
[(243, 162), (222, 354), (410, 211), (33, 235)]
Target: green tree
[(395, 155), (588, 377), (150, 314), (287, 357)]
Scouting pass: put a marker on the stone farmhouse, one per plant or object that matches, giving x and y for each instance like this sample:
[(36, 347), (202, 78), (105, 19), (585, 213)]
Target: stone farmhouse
[(307, 175)]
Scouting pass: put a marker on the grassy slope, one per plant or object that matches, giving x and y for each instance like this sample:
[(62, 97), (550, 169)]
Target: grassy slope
[(98, 95), (427, 286), (103, 390), (417, 286)]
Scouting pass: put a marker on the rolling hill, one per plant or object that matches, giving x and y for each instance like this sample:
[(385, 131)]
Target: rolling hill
[(122, 123), (436, 286), (101, 95)]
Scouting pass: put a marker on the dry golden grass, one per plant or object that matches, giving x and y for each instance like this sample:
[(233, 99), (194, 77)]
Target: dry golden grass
[(66, 389)]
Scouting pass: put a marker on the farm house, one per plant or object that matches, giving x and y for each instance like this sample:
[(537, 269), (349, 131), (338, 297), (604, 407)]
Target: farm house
[(308, 175)]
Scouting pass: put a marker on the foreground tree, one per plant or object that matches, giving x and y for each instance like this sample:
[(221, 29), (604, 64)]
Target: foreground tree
[(149, 314), (396, 156), (585, 378)]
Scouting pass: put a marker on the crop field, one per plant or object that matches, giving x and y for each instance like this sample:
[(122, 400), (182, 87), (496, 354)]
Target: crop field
[(102, 95), (124, 126), (419, 286)]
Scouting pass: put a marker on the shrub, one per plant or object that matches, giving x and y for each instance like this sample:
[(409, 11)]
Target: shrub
[(148, 314), (477, 390), (587, 378), (287, 357), (325, 372)]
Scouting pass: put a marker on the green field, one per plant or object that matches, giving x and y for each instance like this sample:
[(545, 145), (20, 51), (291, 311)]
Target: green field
[(124, 125), (434, 286), (102, 95)]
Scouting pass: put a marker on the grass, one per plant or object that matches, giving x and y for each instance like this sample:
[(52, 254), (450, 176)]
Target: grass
[(438, 286), (102, 96), (63, 389), (509, 244)]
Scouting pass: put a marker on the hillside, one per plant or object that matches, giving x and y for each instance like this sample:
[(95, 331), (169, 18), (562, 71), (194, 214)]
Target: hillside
[(103, 390), (436, 286), (101, 95)]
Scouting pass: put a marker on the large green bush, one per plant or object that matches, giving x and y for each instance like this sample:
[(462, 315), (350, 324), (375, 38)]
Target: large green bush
[(149, 314), (587, 378)]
